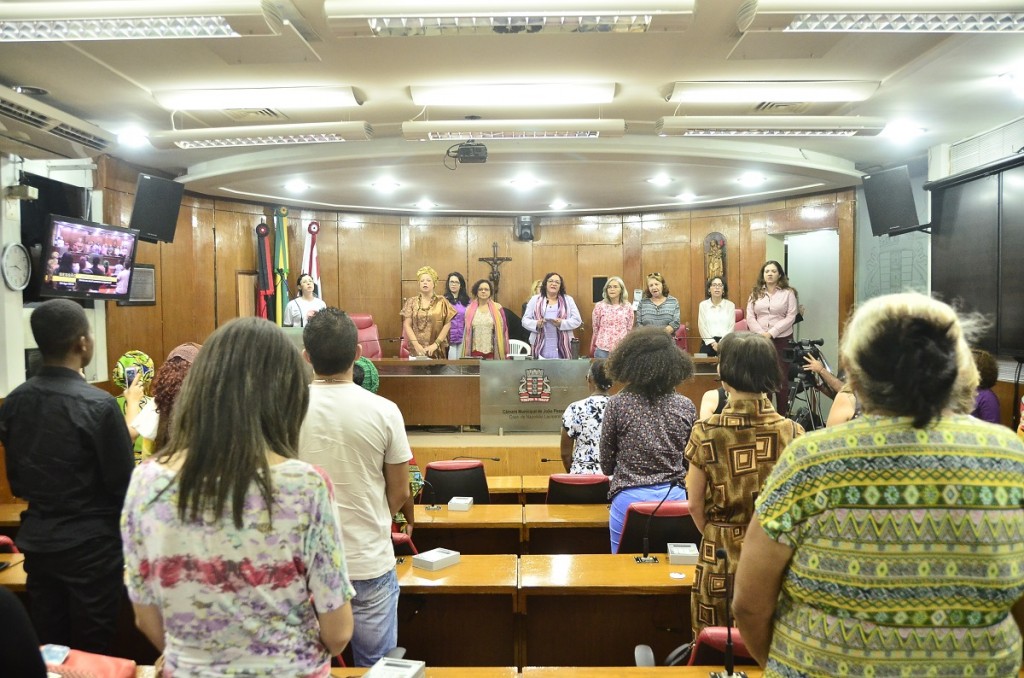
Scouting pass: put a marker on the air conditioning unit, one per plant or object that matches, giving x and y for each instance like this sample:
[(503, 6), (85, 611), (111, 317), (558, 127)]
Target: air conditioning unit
[(36, 131)]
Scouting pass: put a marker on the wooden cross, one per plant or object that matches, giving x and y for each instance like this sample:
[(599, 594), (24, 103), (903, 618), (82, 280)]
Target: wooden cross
[(495, 262)]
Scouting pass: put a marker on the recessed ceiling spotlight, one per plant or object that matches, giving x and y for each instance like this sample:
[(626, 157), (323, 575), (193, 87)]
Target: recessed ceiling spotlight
[(30, 90), (686, 197), (296, 186), (525, 182), (425, 204), (660, 180), (558, 204), (752, 179), (902, 130), (386, 185), (132, 137)]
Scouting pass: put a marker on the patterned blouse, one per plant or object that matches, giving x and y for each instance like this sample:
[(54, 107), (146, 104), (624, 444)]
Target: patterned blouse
[(238, 601), (908, 549), (736, 450), (610, 324), (650, 315), (582, 423), (428, 322), (642, 441)]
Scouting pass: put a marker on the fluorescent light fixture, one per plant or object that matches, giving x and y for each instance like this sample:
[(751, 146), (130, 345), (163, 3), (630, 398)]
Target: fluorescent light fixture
[(523, 94), (757, 91), (408, 18), (686, 197), (425, 204), (882, 16), (134, 20), (660, 180), (558, 204), (902, 130), (768, 126), (293, 98), (488, 130), (132, 137), (296, 186), (752, 179), (386, 185), (525, 182), (263, 135)]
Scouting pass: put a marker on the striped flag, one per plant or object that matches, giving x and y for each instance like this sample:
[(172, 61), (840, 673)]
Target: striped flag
[(280, 263), (310, 257), (264, 278)]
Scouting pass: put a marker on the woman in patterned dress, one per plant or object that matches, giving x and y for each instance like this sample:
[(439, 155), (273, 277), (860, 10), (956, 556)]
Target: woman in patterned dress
[(892, 545), (730, 456), (486, 332), (611, 319), (551, 317), (581, 424), (427, 318), (233, 555)]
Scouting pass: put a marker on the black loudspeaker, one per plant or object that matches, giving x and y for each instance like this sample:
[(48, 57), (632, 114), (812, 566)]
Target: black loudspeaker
[(890, 200), (523, 229), (155, 213)]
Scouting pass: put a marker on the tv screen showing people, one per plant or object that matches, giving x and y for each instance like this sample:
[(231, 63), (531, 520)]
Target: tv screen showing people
[(87, 260)]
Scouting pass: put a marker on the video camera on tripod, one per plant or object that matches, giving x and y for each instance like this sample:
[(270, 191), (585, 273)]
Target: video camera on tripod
[(794, 356)]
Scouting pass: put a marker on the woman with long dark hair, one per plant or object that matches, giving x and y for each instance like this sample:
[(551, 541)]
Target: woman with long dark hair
[(459, 299), (771, 312), (304, 305), (232, 546)]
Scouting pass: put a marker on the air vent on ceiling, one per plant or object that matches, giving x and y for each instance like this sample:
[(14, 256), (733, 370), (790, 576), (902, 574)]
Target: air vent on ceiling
[(254, 114), (782, 107), (33, 129)]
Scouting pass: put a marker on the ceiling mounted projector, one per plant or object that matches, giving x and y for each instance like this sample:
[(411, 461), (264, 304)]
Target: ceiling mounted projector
[(471, 151)]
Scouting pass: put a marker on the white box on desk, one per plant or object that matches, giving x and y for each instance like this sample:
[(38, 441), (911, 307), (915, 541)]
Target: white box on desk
[(682, 554), (397, 668), (435, 559), (460, 503)]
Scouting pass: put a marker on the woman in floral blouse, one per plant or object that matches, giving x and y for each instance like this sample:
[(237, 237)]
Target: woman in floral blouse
[(612, 318), (581, 424), (233, 553)]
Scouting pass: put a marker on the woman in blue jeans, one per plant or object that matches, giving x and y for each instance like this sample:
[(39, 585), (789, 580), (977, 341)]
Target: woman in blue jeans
[(647, 425)]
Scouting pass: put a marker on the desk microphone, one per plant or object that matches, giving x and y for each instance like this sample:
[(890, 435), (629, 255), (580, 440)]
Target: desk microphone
[(647, 558), (545, 460), (480, 458), (723, 555), (433, 506)]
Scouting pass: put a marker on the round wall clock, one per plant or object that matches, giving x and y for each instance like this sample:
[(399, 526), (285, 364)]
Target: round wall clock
[(16, 266)]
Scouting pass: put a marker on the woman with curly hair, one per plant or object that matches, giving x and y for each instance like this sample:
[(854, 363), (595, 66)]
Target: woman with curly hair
[(427, 318), (986, 403), (646, 425), (154, 420)]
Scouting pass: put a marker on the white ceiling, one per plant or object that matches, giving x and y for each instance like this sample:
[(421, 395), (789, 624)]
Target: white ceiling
[(947, 84)]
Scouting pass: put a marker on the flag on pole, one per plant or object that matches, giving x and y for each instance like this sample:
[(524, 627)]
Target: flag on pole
[(310, 257), (280, 263), (264, 276)]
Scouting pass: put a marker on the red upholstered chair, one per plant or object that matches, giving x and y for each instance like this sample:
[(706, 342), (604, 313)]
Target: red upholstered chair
[(455, 478), (7, 545), (403, 544), (403, 347), (570, 488), (682, 337), (672, 524), (709, 648), (368, 335), (741, 322)]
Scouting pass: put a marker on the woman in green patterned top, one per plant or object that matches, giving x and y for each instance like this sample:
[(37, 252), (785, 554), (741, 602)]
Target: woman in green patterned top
[(892, 545)]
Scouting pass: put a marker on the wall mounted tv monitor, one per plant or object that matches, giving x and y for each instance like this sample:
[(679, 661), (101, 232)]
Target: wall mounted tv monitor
[(155, 212), (85, 260)]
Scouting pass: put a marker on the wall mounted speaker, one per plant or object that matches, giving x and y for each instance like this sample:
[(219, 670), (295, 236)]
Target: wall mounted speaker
[(523, 228)]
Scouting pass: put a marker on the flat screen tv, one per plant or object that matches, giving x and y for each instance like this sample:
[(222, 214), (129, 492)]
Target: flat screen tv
[(155, 212), (85, 260)]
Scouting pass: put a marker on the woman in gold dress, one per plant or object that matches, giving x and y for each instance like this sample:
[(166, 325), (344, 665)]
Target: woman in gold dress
[(427, 318)]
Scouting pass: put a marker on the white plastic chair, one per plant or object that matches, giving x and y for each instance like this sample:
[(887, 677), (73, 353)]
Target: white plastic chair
[(518, 348)]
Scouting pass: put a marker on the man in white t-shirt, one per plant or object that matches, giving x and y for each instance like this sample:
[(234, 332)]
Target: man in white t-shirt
[(359, 438)]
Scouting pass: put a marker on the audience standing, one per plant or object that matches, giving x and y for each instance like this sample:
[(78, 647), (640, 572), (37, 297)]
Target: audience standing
[(69, 455), (551, 317), (359, 439), (487, 331), (302, 307), (581, 424), (658, 308), (427, 318), (716, 315), (153, 422), (771, 312), (892, 545)]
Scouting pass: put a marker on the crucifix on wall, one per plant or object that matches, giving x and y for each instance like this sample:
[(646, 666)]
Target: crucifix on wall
[(495, 263)]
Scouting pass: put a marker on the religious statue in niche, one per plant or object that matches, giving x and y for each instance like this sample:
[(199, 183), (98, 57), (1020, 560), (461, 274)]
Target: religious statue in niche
[(495, 263), (714, 256)]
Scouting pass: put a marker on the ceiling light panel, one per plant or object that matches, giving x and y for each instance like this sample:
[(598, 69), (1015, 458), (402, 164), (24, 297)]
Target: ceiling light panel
[(133, 20), (515, 94), (263, 135), (882, 16), (487, 130), (290, 98), (756, 91), (409, 18), (768, 126)]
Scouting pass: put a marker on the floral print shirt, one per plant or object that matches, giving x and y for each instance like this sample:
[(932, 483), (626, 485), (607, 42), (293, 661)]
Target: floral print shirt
[(238, 601), (582, 423)]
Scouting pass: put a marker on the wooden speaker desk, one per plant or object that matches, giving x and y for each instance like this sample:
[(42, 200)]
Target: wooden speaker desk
[(13, 575), (593, 609), (483, 529), (565, 528), (10, 514), (463, 615), (444, 672)]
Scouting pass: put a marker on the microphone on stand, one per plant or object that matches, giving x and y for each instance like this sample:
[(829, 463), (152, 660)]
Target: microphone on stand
[(545, 460), (433, 506), (464, 456), (647, 558), (729, 658)]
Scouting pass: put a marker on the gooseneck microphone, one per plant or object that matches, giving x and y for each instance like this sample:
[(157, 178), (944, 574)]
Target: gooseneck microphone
[(464, 456), (433, 505), (546, 460), (647, 558), (730, 660)]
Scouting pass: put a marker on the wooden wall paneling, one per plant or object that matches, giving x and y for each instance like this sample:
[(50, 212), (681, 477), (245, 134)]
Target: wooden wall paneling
[(560, 259), (632, 248), (802, 219), (440, 242), (327, 251), (137, 327), (672, 260), (583, 230), (700, 226), (752, 254), (665, 228), (594, 260), (516, 275), (235, 250), (847, 226), (186, 274), (370, 265)]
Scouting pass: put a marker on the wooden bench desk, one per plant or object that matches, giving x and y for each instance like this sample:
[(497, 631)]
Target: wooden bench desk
[(565, 528), (13, 576), (442, 672), (535, 488), (463, 615), (606, 603), (483, 529), (629, 671), (505, 484), (10, 513)]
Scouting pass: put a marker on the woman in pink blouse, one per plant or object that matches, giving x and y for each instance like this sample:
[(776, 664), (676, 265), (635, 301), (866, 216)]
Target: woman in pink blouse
[(612, 318), (771, 312)]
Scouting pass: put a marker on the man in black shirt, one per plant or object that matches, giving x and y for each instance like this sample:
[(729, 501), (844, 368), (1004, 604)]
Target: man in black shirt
[(69, 455)]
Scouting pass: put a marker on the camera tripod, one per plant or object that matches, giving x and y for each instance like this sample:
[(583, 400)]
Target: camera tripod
[(804, 389)]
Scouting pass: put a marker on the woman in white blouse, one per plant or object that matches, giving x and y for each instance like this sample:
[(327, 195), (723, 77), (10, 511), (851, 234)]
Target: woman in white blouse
[(716, 316)]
